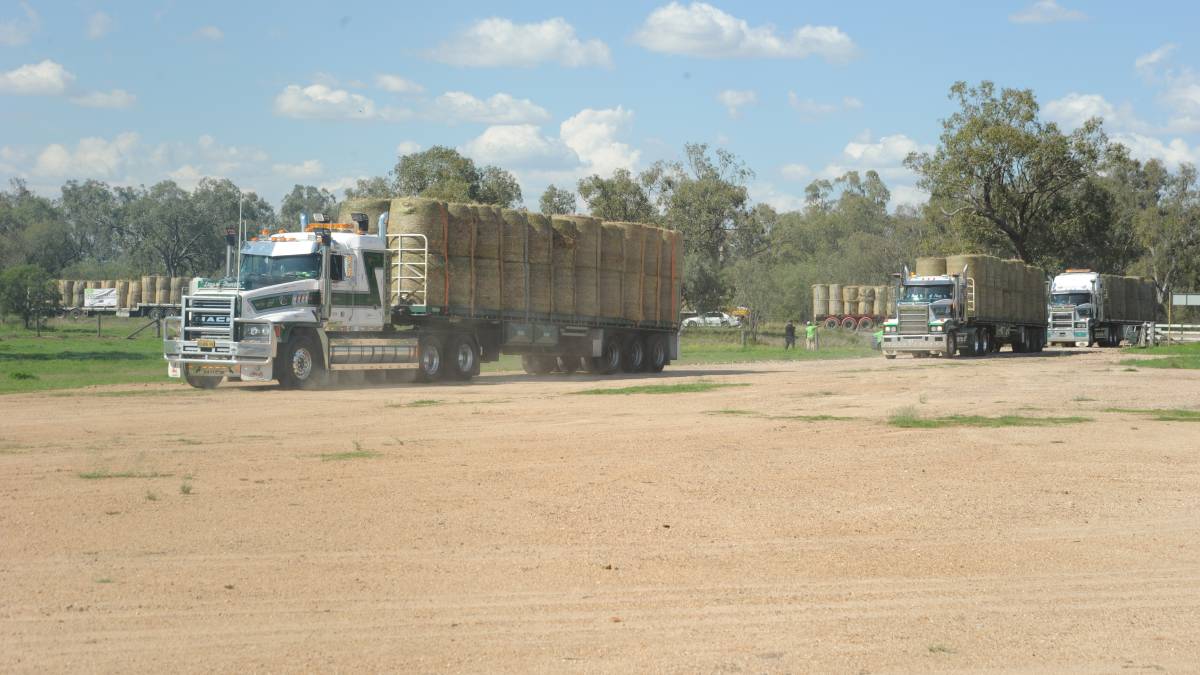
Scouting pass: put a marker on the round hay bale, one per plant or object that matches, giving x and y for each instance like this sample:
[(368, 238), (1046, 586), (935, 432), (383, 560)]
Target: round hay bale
[(564, 236), (486, 224), (931, 266), (820, 300), (135, 293), (461, 230), (587, 294), (881, 299), (866, 307), (849, 294), (540, 238), (149, 290), (836, 304), (515, 237), (371, 206), (162, 287), (177, 287), (66, 292), (122, 293), (80, 286)]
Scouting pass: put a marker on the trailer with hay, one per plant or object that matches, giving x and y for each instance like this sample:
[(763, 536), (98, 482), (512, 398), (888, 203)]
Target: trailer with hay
[(967, 304), (852, 307), (1101, 309), (434, 289), (153, 296)]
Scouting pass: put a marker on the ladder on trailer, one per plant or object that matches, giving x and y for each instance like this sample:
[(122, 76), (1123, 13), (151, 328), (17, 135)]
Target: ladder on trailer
[(410, 264)]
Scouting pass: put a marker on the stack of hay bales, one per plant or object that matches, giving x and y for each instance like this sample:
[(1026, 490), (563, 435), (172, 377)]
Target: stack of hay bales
[(850, 299), (488, 261), (932, 266), (66, 292), (1129, 298), (835, 299), (1004, 290), (881, 301), (372, 207), (135, 293), (866, 300), (820, 300)]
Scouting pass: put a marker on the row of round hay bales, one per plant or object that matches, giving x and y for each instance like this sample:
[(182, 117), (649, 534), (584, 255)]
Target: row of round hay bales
[(840, 299), (1001, 290), (1129, 298), (148, 290), (486, 259)]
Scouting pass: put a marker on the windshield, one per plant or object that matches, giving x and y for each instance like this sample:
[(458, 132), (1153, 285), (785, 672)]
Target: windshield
[(927, 293), (1070, 298), (262, 270)]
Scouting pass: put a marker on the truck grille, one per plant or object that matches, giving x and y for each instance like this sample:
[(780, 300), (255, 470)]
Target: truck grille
[(1065, 320), (208, 317), (914, 319)]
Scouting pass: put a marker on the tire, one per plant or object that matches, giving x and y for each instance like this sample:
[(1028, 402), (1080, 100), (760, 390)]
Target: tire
[(889, 356), (202, 381), (866, 324), (431, 359), (609, 360), (538, 364), (849, 323), (633, 354), (951, 345), (568, 364), (302, 365), (656, 354), (831, 323), (464, 357)]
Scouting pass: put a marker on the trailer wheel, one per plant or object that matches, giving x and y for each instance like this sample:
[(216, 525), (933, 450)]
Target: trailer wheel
[(656, 354), (849, 323), (464, 357), (430, 361), (538, 364), (201, 381), (609, 360), (568, 363), (865, 324), (302, 366), (831, 323), (633, 355)]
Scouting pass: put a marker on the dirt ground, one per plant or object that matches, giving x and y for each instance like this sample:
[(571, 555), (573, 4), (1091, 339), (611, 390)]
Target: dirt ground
[(511, 526)]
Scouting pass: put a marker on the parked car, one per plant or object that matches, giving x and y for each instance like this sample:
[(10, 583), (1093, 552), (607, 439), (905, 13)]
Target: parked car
[(711, 319)]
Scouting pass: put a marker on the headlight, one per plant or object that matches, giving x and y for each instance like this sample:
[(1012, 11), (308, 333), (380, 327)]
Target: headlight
[(935, 328), (256, 332), (889, 329)]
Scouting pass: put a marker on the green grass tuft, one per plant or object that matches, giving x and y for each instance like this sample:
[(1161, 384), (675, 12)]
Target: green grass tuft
[(682, 388), (909, 418), (102, 474), (1161, 414), (352, 454), (798, 418)]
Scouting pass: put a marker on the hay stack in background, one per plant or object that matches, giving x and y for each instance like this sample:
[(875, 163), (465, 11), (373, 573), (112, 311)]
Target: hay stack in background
[(122, 293), (836, 305), (135, 293), (162, 286), (849, 299), (66, 292), (881, 300), (820, 300), (931, 266), (866, 300), (78, 290), (371, 206), (149, 290), (612, 266)]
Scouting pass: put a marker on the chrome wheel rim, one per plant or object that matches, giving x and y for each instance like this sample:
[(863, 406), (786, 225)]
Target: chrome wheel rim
[(302, 364), (431, 360), (466, 357)]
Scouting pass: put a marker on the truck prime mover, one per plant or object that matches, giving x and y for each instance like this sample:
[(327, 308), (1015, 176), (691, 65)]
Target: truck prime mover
[(1100, 309), (967, 304), (420, 284)]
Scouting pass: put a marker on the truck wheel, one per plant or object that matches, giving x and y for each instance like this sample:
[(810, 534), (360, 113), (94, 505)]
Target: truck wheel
[(568, 363), (831, 323), (866, 324), (633, 356), (656, 354), (538, 364), (301, 366), (201, 381), (849, 323), (464, 357), (951, 345), (430, 360), (888, 356), (609, 360)]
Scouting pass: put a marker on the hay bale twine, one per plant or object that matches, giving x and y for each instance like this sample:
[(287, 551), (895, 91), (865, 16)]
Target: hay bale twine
[(122, 293), (836, 304), (373, 207), (820, 300), (931, 266), (515, 236), (135, 293)]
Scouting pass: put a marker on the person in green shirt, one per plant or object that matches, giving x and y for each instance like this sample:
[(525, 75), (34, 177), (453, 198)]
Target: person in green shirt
[(878, 342), (810, 336)]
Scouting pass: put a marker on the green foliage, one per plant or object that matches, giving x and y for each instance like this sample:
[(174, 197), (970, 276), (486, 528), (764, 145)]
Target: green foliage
[(376, 187), (442, 173), (619, 198), (71, 356), (556, 201), (1161, 414), (908, 418), (28, 292), (306, 200)]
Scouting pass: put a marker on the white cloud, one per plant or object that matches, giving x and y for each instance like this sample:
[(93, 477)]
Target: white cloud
[(1173, 153), (1147, 62), (767, 193), (884, 155), (397, 84), (99, 24), (887, 151), (459, 106), (16, 32), (92, 158), (336, 185), (323, 102), (308, 169), (187, 176), (795, 171), (519, 146), (1046, 11), (808, 107), (699, 29), (407, 148), (115, 99), (593, 135), (47, 78), (734, 100), (500, 42), (209, 33)]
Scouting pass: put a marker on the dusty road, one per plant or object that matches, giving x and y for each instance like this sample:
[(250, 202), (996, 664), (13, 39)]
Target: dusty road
[(511, 526)]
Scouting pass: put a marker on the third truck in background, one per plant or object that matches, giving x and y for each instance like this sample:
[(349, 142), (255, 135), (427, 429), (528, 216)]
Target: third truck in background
[(1100, 309)]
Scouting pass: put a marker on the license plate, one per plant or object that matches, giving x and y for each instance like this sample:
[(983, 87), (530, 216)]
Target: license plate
[(201, 369), (205, 343)]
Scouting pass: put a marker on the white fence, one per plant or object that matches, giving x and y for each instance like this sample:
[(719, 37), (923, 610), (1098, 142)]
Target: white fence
[(1177, 332)]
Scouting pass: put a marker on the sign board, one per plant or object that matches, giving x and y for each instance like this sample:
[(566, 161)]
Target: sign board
[(1185, 299), (100, 298)]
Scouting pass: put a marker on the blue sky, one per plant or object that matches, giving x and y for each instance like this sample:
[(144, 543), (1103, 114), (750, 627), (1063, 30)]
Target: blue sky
[(272, 94)]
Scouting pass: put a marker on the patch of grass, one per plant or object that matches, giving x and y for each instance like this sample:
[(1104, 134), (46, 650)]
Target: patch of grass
[(1082, 399), (1161, 414), (357, 453), (798, 418), (681, 388), (102, 474), (422, 403), (909, 418), (104, 580), (1172, 362), (22, 375), (940, 649), (151, 496), (69, 355), (185, 488), (1183, 356)]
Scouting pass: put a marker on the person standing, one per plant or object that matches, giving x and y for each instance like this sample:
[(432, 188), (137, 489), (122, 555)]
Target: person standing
[(789, 335), (810, 336)]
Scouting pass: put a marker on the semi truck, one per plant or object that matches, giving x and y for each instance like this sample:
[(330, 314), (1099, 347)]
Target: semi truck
[(1100, 309), (967, 304), (447, 288)]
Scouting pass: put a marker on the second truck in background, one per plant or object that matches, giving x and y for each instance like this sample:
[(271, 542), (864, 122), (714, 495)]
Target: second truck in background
[(1100, 309)]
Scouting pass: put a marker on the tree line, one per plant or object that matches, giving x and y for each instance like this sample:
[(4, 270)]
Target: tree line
[(1001, 180)]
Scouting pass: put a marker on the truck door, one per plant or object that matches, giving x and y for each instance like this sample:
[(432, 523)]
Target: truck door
[(341, 287), (370, 306)]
